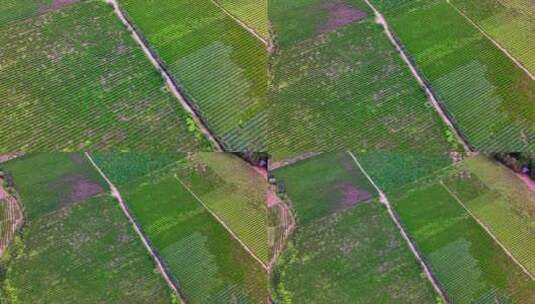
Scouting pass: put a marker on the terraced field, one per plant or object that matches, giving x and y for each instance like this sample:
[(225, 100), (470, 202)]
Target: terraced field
[(488, 97), (253, 12), (220, 66), (470, 265), (209, 265), (77, 248), (339, 84), (346, 248), (510, 22), (74, 79)]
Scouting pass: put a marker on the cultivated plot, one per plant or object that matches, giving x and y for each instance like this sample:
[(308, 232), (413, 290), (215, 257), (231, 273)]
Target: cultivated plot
[(254, 13), (469, 264), (217, 63), (510, 22), (76, 246), (488, 97), (16, 10), (209, 264), (346, 248), (338, 83), (74, 79)]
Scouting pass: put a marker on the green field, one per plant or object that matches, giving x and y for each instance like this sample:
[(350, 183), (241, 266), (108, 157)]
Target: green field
[(489, 98), (470, 266), (76, 245), (74, 79), (16, 10), (208, 264), (510, 22), (84, 253), (343, 86), (235, 192), (502, 202), (47, 182), (253, 12), (220, 66), (352, 254)]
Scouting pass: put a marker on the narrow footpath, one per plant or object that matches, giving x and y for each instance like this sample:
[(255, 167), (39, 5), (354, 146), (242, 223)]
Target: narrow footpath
[(117, 195), (384, 200), (428, 91)]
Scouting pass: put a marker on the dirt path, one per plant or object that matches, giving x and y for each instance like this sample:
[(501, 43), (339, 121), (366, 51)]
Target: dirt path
[(243, 24), (384, 200), (13, 218), (115, 193), (222, 222), (287, 221), (498, 45), (292, 160), (171, 84), (527, 180), (488, 231), (428, 91)]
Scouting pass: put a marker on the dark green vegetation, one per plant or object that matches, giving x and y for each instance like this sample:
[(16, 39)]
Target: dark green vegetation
[(15, 10), (220, 66), (338, 84), (74, 79), (511, 23), (471, 267), (209, 265), (77, 247), (346, 248), (489, 98), (47, 182)]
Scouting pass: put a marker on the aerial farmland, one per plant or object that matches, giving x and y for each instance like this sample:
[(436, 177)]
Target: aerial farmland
[(267, 151)]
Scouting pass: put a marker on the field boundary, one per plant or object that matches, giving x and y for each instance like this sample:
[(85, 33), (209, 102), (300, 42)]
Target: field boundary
[(431, 96), (289, 224), (292, 160), (242, 23), (14, 217), (222, 222), (171, 83), (496, 43), (152, 252), (412, 246), (488, 231)]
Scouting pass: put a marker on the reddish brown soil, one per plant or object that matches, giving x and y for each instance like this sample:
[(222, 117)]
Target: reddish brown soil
[(340, 14), (80, 188), (351, 196), (272, 198), (56, 4), (528, 181)]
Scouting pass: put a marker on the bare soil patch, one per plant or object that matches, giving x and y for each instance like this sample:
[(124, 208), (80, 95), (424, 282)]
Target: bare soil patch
[(78, 187), (351, 196), (528, 181), (56, 4), (340, 14)]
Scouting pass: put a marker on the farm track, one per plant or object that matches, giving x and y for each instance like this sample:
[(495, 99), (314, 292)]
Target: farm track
[(431, 96), (496, 43), (509, 254), (243, 24), (222, 222), (168, 79), (13, 217), (160, 265), (288, 222), (384, 200), (292, 160)]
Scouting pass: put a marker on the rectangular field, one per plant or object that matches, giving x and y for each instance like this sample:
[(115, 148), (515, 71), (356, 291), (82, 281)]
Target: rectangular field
[(489, 98), (346, 248), (74, 79), (209, 265), (338, 83), (220, 66), (470, 266)]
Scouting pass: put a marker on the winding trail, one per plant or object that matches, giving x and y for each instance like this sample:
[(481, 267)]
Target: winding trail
[(117, 195), (168, 79), (384, 200), (488, 231), (12, 216), (292, 160), (428, 91), (222, 222), (287, 221), (240, 22), (496, 43)]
